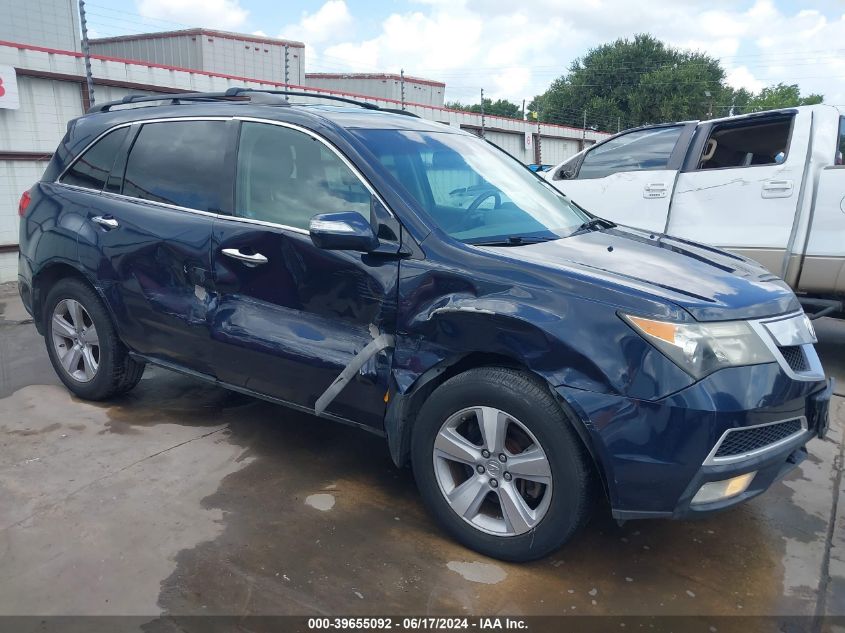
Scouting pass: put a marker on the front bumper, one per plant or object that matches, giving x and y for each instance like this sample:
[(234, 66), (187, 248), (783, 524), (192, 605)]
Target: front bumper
[(655, 455)]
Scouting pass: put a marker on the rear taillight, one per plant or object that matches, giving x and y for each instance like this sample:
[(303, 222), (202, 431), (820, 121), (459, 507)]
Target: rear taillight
[(24, 203)]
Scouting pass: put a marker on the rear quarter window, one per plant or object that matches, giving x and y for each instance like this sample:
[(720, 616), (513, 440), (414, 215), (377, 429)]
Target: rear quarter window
[(92, 168), (840, 143)]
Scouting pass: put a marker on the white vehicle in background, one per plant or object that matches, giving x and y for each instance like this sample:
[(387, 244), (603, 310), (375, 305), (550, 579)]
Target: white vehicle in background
[(769, 186)]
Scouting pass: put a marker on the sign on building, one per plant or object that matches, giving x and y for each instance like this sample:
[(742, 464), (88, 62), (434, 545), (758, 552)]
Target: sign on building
[(529, 140), (8, 88)]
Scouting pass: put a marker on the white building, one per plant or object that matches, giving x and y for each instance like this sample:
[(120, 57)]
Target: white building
[(389, 86), (48, 75), (50, 23), (219, 52)]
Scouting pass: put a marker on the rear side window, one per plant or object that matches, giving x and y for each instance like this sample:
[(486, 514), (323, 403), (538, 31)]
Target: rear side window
[(92, 169), (840, 145), (634, 151), (179, 163), (286, 177)]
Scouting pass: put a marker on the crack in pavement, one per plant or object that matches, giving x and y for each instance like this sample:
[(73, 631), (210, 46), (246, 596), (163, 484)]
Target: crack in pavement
[(106, 476)]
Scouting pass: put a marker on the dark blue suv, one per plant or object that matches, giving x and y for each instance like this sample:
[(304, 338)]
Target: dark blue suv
[(526, 357)]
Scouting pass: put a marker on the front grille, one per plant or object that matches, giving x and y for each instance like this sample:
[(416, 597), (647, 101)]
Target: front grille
[(795, 358), (741, 441)]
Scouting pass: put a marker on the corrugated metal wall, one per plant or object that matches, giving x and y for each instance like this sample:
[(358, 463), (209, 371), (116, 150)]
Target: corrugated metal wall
[(210, 53), (555, 150), (15, 178), (49, 23), (513, 143), (251, 59), (180, 50), (385, 87), (39, 124)]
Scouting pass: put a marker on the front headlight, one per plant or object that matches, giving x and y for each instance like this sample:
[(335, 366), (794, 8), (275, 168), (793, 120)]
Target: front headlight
[(702, 348)]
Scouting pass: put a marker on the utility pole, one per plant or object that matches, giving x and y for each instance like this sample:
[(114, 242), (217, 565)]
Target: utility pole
[(618, 124), (402, 86), (482, 113), (584, 131), (710, 104), (538, 144), (89, 79), (287, 72)]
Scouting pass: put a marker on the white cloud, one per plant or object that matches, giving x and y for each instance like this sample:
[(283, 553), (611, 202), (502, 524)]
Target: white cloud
[(329, 22), (513, 50), (215, 14), (741, 77)]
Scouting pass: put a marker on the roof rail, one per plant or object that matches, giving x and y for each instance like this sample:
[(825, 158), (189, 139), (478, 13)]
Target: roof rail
[(255, 95), (297, 93), (174, 98)]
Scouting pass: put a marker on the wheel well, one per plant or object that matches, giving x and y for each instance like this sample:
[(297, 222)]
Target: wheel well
[(400, 418), (46, 279)]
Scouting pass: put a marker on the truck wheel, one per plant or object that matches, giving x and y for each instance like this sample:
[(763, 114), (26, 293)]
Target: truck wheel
[(499, 465), (83, 344)]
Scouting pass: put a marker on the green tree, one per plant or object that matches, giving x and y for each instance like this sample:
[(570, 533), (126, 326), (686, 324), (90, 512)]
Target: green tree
[(499, 107), (634, 82), (778, 96)]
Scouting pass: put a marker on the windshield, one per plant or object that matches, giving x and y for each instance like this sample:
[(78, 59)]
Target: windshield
[(472, 190)]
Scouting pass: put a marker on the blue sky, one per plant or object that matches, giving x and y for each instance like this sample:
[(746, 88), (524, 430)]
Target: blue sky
[(515, 49)]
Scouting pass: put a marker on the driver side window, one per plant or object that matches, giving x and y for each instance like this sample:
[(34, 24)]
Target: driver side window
[(635, 151), (286, 177)]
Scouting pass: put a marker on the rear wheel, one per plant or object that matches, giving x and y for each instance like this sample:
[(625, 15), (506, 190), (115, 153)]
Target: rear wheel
[(499, 465), (83, 344)]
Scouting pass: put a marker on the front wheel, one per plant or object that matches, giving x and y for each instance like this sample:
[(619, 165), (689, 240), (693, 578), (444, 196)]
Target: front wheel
[(500, 466), (83, 345)]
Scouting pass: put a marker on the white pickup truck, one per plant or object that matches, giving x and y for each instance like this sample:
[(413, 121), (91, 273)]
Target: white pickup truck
[(769, 186)]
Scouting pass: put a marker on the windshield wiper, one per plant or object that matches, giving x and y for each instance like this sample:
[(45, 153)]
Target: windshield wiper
[(593, 224), (513, 240)]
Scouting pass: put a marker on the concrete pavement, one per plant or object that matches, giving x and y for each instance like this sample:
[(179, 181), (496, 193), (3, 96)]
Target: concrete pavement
[(183, 498)]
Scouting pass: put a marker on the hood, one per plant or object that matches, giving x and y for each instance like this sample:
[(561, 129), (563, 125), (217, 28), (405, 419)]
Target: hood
[(709, 283)]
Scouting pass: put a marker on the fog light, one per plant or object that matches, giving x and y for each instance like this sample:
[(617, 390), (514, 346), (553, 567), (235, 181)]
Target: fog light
[(725, 489)]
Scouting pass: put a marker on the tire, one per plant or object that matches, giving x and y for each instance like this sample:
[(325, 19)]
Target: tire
[(560, 494), (103, 368)]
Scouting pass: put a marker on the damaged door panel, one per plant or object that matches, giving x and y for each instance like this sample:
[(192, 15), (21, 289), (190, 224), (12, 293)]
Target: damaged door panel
[(288, 328), (290, 319), (149, 236)]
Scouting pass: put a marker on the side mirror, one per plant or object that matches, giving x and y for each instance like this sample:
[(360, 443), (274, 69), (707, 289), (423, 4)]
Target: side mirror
[(344, 231), (567, 174)]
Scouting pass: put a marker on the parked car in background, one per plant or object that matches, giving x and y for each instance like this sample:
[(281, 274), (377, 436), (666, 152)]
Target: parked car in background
[(525, 357), (769, 186)]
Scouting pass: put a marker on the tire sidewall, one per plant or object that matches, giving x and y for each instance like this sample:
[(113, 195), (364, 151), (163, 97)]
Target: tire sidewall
[(546, 421), (76, 290)]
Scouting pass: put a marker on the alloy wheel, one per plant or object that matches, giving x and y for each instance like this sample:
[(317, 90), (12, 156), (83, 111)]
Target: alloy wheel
[(75, 340), (492, 471)]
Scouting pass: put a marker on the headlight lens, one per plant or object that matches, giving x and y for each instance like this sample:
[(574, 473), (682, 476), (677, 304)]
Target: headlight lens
[(702, 348)]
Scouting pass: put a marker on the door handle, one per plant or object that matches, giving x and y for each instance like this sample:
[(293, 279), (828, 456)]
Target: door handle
[(655, 190), (251, 260), (776, 189), (106, 222)]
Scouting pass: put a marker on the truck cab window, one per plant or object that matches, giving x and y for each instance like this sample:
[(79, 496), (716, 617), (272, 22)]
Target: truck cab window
[(747, 143), (644, 149)]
